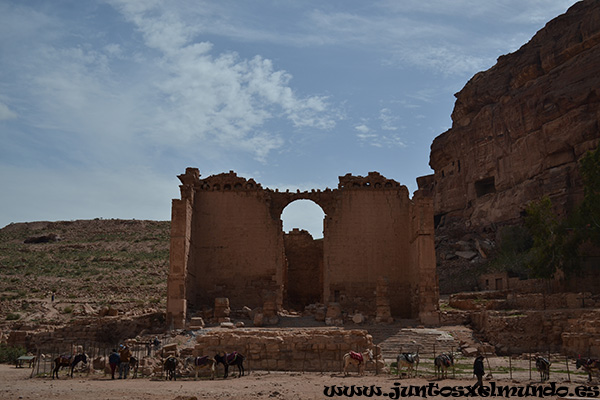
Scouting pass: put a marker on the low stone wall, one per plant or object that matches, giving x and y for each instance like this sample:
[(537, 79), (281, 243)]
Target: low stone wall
[(509, 300), (108, 330), (583, 336), (287, 349), (571, 332)]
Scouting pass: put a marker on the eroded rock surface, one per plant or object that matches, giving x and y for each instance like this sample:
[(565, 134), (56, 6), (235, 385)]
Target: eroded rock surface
[(520, 127)]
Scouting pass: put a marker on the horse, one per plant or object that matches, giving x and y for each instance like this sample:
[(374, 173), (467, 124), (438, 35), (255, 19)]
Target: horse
[(543, 366), (408, 360), (169, 367), (234, 358), (442, 362), (358, 359), (589, 365), (134, 364), (201, 362), (68, 361)]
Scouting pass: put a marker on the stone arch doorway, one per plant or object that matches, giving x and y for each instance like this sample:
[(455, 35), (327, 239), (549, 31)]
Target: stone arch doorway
[(303, 271)]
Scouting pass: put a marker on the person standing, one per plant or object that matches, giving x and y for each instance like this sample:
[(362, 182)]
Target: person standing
[(125, 355), (113, 361), (478, 371)]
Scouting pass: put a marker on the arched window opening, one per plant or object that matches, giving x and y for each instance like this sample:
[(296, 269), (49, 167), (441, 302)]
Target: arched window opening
[(303, 214)]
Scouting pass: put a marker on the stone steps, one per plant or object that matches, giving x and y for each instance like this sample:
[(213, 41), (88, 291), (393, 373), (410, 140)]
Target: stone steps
[(393, 340)]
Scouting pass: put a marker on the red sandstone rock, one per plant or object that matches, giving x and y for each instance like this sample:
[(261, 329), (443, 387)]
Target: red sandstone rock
[(520, 127)]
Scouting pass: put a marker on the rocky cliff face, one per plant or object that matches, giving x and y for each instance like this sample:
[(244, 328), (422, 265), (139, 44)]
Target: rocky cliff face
[(520, 127)]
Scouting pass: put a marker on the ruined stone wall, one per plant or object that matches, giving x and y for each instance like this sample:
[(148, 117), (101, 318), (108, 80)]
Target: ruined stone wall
[(227, 241), (569, 331), (287, 350), (304, 278), (377, 223), (236, 249), (510, 300), (100, 330), (519, 128), (582, 336)]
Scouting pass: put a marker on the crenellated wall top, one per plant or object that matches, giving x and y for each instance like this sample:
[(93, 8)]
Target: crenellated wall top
[(326, 198), (374, 180), (220, 182)]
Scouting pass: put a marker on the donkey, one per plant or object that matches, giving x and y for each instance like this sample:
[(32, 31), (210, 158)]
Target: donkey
[(234, 358), (68, 361), (358, 359), (589, 365), (543, 366), (201, 362), (170, 367), (442, 362), (408, 360)]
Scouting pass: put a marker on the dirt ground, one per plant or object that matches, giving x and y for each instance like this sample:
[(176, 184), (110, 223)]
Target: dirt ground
[(15, 383)]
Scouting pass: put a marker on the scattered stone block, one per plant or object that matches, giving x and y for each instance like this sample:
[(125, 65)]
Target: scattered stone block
[(358, 318), (197, 323)]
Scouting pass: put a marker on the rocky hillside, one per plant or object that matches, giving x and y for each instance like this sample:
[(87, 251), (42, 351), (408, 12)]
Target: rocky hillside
[(90, 266), (520, 127)]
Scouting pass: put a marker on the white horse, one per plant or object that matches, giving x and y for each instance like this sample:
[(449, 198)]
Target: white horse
[(358, 359)]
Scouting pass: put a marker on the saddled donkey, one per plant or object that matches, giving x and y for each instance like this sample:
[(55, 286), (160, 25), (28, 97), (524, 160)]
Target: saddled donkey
[(228, 359), (543, 366), (170, 368), (589, 365), (358, 359), (442, 362), (68, 361), (408, 360), (202, 362)]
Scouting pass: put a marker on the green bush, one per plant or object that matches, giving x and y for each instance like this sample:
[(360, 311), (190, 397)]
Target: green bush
[(9, 354), (12, 316)]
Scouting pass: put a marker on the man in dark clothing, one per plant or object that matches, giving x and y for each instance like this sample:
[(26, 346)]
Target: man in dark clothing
[(478, 371), (113, 361)]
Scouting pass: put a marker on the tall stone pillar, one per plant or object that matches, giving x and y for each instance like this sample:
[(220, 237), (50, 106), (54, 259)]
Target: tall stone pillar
[(425, 280), (181, 222), (382, 301)]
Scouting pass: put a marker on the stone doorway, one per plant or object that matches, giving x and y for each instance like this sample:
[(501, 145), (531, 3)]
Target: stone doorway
[(303, 276)]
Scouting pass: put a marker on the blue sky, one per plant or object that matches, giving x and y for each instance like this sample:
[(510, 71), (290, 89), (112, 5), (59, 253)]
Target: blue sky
[(104, 103)]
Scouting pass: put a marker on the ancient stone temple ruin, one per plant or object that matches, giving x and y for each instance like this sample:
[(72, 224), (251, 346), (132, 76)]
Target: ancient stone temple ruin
[(227, 240)]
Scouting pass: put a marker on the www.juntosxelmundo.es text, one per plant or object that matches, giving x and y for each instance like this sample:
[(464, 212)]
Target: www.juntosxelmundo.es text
[(492, 389)]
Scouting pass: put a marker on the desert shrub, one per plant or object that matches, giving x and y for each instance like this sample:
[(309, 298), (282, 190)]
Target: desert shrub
[(12, 316), (9, 354)]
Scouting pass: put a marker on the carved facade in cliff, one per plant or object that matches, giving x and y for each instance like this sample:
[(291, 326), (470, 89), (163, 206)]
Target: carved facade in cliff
[(520, 127), (227, 241)]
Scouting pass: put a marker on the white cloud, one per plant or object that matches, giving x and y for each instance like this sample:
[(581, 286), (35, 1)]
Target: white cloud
[(175, 93), (223, 99), (362, 128), (388, 120), (452, 38), (6, 113), (378, 140)]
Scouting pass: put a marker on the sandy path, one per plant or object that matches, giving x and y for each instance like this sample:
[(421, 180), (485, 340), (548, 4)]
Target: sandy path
[(16, 384)]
